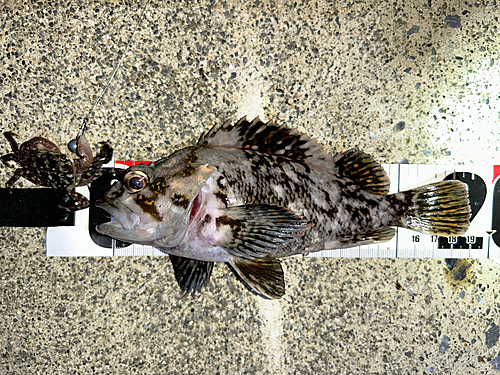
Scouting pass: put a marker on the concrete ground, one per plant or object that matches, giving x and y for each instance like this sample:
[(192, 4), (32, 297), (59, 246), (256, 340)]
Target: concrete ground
[(405, 81)]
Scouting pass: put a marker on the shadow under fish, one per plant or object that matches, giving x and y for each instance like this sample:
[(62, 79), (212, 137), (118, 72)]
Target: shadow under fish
[(250, 193)]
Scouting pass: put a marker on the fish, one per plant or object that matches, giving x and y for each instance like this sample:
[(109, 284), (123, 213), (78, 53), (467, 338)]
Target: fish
[(250, 193)]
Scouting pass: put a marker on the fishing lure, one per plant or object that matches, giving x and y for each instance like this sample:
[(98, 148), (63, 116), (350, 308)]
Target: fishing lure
[(40, 161)]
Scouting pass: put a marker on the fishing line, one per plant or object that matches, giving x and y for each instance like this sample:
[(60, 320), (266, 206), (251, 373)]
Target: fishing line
[(72, 145)]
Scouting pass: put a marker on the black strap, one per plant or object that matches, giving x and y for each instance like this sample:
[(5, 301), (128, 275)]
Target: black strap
[(33, 208)]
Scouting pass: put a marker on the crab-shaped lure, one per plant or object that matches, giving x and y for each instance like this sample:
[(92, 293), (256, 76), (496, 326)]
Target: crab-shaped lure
[(42, 163)]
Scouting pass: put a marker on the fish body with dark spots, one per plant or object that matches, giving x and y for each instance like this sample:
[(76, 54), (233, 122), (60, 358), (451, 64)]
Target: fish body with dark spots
[(250, 193)]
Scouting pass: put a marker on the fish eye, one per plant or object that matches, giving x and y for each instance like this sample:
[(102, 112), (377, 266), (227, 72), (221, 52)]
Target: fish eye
[(135, 181)]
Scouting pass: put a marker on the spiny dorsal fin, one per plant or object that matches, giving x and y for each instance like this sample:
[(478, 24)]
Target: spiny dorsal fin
[(268, 138), (363, 170)]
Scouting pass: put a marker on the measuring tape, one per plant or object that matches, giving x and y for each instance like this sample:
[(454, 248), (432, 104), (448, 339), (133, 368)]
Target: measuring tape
[(482, 241)]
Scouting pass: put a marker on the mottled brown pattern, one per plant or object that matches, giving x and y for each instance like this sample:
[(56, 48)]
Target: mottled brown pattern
[(180, 200), (148, 205), (189, 169), (159, 185), (225, 220)]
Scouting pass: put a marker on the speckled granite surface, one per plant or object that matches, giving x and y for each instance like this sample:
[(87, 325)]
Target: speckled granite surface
[(415, 81)]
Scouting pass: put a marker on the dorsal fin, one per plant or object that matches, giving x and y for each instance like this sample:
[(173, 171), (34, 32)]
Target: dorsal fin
[(363, 170), (268, 138)]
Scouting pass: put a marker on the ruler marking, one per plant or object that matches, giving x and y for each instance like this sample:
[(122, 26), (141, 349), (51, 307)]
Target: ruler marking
[(488, 251)]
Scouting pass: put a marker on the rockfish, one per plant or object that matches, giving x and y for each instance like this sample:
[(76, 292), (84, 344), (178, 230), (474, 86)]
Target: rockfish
[(250, 193)]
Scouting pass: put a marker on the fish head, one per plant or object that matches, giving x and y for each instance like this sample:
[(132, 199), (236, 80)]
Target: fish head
[(152, 204)]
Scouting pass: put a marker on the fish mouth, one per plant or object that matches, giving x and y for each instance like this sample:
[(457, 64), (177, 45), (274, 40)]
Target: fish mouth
[(126, 223), (123, 218)]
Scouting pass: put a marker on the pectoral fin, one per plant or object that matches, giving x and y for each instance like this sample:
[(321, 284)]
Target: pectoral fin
[(256, 231), (191, 275), (263, 276)]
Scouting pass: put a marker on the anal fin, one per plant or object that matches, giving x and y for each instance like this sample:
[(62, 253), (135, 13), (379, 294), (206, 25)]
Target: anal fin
[(263, 276), (191, 275), (374, 236), (366, 238)]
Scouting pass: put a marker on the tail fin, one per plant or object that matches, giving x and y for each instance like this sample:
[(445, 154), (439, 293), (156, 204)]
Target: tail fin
[(441, 209)]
